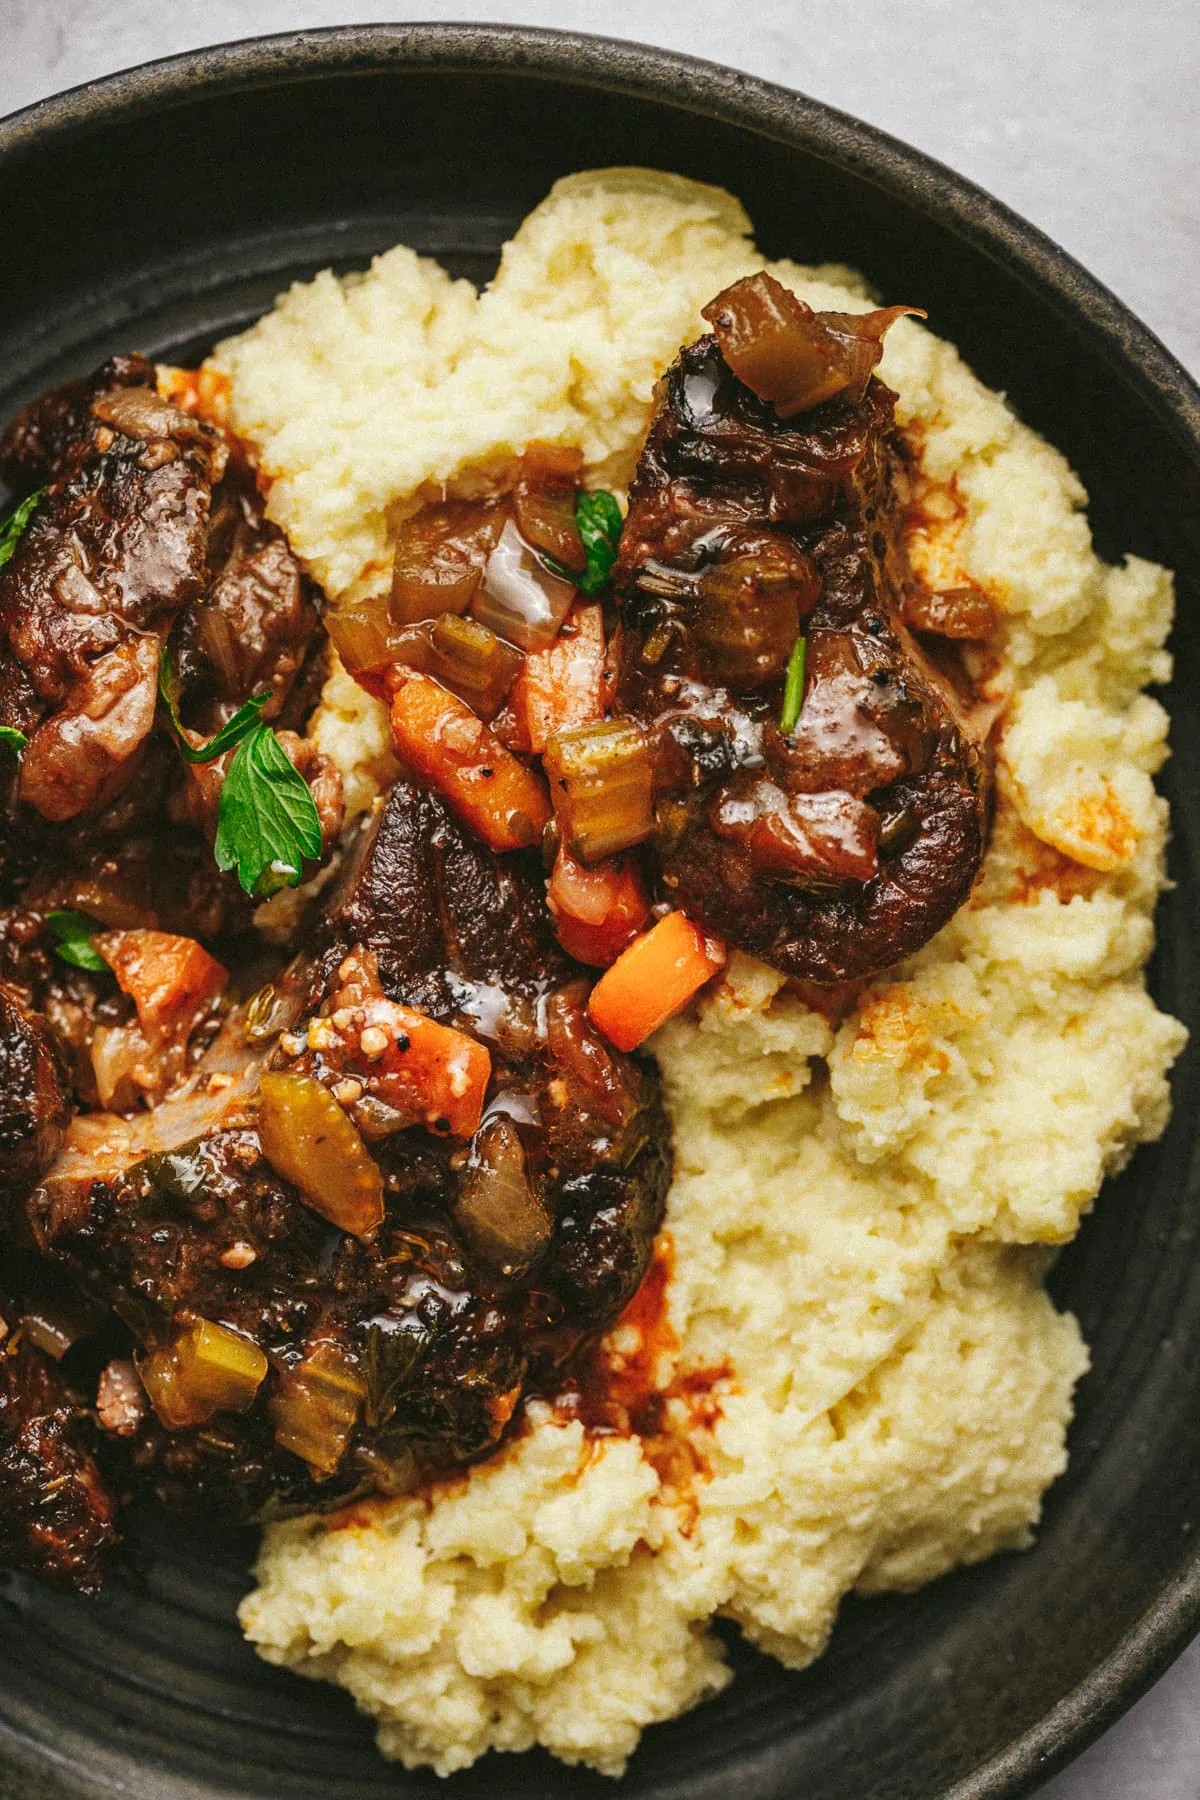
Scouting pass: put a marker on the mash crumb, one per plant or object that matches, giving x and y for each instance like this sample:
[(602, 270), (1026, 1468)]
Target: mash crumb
[(860, 1208)]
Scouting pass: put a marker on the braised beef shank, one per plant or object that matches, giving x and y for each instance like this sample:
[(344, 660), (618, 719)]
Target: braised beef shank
[(835, 846), (444, 1316)]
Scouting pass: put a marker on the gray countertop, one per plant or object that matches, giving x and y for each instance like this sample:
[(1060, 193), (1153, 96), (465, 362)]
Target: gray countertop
[(1082, 114)]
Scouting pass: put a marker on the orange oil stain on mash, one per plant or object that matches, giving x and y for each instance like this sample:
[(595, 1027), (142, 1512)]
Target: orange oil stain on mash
[(617, 1391), (614, 1391), (1042, 868)]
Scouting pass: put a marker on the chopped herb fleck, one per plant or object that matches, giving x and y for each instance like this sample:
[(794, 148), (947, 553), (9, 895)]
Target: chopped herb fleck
[(73, 932), (14, 525), (793, 692)]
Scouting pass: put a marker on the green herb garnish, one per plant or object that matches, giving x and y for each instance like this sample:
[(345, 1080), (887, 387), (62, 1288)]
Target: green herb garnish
[(246, 719), (598, 521), (14, 525), (793, 691), (73, 932), (14, 739), (267, 822)]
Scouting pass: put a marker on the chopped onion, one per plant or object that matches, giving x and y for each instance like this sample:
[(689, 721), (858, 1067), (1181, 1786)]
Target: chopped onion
[(520, 600), (440, 557), (206, 1369), (473, 663), (316, 1407), (544, 502), (790, 355), (507, 1223), (51, 1331), (309, 1140), (120, 1398), (601, 779)]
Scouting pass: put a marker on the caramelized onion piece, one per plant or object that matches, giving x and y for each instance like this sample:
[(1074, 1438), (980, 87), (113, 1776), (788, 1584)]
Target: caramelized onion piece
[(440, 557), (367, 638), (961, 612), (140, 412), (315, 1409), (52, 1330), (790, 355), (750, 606), (507, 1223), (544, 502), (521, 600), (308, 1139), (207, 1368), (601, 782)]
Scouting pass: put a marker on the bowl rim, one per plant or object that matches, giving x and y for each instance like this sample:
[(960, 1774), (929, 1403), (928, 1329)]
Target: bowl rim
[(994, 230)]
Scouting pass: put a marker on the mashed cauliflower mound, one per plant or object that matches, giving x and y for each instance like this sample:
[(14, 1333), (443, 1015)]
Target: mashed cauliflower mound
[(862, 1214)]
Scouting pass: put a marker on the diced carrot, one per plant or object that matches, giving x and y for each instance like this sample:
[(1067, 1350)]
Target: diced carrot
[(653, 978), (171, 980), (596, 911), (489, 788), (562, 685), (422, 1068), (205, 391)]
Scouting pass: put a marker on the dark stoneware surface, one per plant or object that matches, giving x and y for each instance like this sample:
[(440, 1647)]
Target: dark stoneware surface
[(162, 208)]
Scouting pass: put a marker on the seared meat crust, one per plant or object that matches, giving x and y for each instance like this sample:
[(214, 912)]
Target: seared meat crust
[(35, 1099), (57, 1520)]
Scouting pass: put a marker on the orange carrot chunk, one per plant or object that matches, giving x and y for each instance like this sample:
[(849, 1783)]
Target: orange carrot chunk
[(653, 978), (563, 685), (171, 980), (426, 1071), (596, 911), (490, 789)]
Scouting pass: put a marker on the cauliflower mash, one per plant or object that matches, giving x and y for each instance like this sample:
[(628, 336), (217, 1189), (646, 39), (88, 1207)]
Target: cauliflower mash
[(864, 1382)]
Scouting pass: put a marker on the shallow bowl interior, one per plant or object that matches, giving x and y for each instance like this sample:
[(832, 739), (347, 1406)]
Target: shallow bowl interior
[(162, 209)]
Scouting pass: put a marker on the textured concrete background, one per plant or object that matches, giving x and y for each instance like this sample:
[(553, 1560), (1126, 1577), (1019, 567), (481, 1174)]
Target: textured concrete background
[(1084, 115)]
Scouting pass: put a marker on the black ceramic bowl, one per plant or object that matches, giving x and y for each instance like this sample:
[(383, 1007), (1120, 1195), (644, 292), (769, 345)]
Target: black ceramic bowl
[(163, 208)]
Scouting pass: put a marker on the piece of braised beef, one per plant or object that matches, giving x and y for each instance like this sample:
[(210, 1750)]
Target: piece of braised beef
[(835, 842), (57, 1518), (408, 1347), (148, 526), (35, 1097)]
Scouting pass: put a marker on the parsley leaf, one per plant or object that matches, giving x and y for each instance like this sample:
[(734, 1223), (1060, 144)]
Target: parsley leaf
[(14, 525), (245, 720), (793, 691), (267, 821), (599, 520), (14, 739), (73, 932)]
